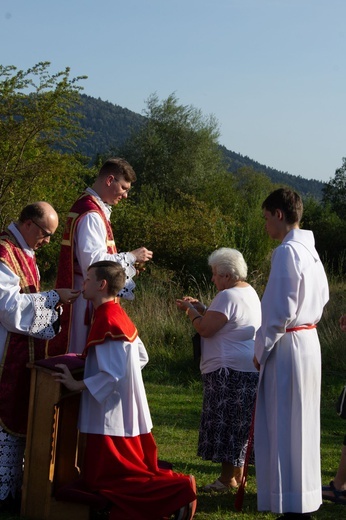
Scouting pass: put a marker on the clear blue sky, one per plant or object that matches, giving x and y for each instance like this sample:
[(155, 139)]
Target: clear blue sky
[(272, 72)]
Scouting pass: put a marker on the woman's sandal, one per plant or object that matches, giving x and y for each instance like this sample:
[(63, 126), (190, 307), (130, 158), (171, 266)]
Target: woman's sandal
[(338, 497)]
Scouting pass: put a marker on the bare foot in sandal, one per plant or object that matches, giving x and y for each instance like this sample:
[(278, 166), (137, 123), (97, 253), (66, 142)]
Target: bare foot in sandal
[(334, 495)]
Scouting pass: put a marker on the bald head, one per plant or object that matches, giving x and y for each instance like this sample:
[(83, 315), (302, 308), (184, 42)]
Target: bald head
[(37, 223), (38, 211)]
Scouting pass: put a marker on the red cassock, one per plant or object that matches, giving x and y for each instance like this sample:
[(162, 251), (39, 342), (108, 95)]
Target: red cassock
[(125, 470)]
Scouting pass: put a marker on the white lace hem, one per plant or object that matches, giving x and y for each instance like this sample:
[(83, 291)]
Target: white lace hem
[(11, 464), (46, 316), (127, 260)]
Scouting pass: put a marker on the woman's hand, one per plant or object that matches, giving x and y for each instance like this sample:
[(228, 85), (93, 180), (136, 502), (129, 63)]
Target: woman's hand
[(187, 301), (183, 305), (207, 325), (342, 322)]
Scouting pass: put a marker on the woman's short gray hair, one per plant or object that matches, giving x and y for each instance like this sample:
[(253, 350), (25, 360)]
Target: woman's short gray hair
[(229, 261)]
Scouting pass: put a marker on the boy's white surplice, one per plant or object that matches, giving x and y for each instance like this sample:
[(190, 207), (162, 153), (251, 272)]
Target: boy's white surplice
[(116, 402), (287, 428)]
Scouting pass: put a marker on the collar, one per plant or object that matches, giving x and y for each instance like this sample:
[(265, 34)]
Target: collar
[(107, 208), (20, 239)]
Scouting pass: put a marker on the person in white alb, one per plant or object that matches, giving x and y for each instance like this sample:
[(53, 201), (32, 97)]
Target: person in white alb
[(27, 318), (88, 238), (287, 353)]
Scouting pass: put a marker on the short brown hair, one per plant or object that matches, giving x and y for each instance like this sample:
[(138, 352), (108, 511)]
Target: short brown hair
[(118, 166), (112, 272), (288, 201)]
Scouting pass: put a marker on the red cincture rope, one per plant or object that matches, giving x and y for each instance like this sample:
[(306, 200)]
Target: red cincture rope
[(301, 327)]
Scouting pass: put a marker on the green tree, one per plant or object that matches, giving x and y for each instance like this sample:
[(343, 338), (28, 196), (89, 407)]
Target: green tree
[(251, 188), (35, 123), (330, 234), (334, 192), (175, 149), (187, 203), (182, 233)]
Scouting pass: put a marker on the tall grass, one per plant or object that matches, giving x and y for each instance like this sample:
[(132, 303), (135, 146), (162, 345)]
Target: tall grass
[(167, 333), (333, 340), (164, 329)]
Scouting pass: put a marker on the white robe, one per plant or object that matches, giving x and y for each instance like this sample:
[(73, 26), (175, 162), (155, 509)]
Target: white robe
[(90, 246), (287, 427), (115, 401)]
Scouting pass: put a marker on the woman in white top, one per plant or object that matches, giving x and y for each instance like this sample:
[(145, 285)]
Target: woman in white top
[(227, 329)]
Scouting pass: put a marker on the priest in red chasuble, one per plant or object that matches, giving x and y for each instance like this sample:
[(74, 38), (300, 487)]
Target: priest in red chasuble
[(27, 318), (88, 238)]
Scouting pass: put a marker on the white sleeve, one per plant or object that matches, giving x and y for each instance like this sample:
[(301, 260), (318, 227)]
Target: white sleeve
[(279, 302), (31, 314), (111, 359), (225, 304), (90, 246), (143, 354)]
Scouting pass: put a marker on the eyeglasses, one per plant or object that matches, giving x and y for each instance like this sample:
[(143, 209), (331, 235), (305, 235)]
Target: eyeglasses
[(125, 190), (45, 232)]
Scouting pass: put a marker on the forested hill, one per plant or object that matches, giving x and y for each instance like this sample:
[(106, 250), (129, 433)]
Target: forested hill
[(307, 187), (110, 125)]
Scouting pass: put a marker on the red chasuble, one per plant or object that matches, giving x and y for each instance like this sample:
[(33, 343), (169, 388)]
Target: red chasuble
[(19, 349), (68, 265)]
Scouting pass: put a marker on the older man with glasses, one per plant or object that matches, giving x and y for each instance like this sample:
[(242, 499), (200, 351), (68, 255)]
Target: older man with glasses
[(27, 319), (88, 238)]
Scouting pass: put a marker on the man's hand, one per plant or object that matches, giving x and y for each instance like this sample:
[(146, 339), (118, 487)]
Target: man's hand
[(67, 295), (142, 254)]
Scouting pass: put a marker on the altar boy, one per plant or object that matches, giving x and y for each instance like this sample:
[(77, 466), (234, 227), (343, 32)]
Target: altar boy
[(121, 455)]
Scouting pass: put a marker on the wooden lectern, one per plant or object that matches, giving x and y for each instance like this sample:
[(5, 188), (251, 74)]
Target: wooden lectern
[(53, 453)]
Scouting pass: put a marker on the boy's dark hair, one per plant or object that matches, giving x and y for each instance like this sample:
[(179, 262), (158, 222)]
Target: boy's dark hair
[(118, 166), (112, 272), (288, 201)]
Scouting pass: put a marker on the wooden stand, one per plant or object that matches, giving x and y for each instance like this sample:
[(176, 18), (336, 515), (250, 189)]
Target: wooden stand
[(53, 454)]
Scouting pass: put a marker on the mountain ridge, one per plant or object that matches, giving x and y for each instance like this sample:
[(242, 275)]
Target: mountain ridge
[(111, 125)]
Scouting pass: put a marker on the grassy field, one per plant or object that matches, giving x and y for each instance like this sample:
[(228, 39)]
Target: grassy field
[(176, 417), (175, 395), (175, 411)]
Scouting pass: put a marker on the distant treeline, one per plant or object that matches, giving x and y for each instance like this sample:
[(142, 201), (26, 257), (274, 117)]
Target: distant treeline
[(111, 125), (191, 195)]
